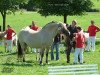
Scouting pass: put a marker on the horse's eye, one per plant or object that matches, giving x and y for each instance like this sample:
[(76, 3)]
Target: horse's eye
[(59, 28)]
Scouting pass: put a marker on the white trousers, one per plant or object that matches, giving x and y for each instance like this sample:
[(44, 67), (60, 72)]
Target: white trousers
[(91, 43), (78, 52), (9, 44)]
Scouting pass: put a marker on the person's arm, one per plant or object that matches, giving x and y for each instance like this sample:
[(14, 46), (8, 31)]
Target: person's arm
[(98, 29), (14, 33), (88, 29)]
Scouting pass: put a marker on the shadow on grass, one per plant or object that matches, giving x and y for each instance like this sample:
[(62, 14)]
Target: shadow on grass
[(97, 42), (5, 54), (27, 63)]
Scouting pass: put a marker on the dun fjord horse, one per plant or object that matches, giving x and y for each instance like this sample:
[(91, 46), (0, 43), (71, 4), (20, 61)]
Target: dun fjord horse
[(42, 39)]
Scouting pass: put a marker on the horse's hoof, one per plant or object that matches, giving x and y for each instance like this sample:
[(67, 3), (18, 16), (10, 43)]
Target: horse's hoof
[(23, 60), (41, 63)]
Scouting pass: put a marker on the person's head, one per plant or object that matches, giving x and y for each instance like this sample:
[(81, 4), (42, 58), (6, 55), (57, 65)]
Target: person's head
[(92, 22), (74, 23), (8, 26), (33, 23), (79, 28)]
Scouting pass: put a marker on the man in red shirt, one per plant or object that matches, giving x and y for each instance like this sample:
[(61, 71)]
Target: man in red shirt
[(80, 45), (9, 36), (92, 29)]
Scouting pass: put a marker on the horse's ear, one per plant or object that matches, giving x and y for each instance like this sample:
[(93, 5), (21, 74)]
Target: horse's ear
[(59, 28)]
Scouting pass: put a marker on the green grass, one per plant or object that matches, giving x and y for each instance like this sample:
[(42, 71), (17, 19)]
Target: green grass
[(31, 66), (96, 4)]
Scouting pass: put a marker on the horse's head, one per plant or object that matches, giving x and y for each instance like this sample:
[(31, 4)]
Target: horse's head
[(62, 27), (2, 34), (56, 27)]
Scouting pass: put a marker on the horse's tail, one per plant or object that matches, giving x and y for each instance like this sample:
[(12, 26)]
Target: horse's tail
[(20, 52)]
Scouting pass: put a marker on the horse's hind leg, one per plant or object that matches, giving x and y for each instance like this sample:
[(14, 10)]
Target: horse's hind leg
[(37, 54), (41, 56), (24, 49)]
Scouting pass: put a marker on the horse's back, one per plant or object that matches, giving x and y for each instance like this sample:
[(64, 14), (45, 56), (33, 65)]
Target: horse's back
[(30, 37)]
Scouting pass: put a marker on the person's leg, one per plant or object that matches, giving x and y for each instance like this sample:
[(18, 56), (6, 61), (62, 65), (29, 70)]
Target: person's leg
[(57, 51), (7, 45), (88, 44), (76, 55), (52, 51), (10, 45), (81, 55), (93, 43)]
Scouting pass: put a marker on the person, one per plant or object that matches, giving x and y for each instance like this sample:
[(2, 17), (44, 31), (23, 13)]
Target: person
[(55, 45), (92, 29), (80, 45), (33, 26), (70, 43), (9, 36)]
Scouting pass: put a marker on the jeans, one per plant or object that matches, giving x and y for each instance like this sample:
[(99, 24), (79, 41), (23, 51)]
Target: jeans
[(78, 52), (55, 45), (91, 43), (9, 45)]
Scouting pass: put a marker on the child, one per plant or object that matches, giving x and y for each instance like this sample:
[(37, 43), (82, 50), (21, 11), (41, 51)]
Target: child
[(80, 45)]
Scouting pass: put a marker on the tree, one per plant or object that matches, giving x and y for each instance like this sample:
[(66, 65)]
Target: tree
[(30, 6), (63, 7), (8, 6)]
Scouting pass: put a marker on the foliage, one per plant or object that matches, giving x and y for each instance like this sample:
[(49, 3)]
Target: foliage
[(8, 6), (61, 7), (30, 6)]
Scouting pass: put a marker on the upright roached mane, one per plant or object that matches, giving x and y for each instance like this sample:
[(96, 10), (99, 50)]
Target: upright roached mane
[(42, 39)]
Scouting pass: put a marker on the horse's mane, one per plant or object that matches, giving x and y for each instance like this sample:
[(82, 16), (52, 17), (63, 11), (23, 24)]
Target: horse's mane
[(49, 24)]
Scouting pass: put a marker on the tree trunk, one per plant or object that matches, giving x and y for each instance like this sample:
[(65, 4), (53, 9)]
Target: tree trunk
[(65, 18), (4, 19)]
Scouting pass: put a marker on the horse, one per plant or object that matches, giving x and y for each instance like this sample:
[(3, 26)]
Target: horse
[(41, 39)]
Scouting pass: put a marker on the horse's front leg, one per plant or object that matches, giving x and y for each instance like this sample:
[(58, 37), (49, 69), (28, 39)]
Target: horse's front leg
[(41, 56), (47, 50)]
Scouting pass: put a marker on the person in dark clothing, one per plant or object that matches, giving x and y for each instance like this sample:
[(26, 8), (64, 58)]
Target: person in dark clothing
[(70, 43), (55, 45)]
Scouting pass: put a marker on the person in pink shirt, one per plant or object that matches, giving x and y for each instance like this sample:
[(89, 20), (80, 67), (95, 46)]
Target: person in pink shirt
[(80, 45), (9, 36), (92, 29)]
